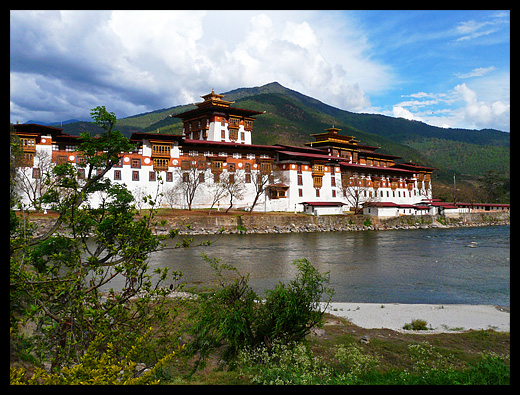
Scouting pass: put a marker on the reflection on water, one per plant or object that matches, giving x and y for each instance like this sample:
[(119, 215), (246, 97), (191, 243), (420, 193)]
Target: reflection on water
[(403, 266)]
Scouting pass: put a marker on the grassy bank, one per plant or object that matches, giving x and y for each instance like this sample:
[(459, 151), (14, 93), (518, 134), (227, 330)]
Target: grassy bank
[(342, 353)]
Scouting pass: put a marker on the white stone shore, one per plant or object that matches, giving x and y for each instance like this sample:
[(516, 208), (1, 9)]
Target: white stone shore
[(439, 318)]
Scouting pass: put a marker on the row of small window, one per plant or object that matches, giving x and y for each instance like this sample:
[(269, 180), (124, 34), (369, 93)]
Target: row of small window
[(231, 178), (381, 193), (233, 122), (152, 175), (317, 180), (300, 192), (369, 194), (135, 162)]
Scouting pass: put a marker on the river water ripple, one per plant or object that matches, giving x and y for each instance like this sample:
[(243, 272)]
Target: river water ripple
[(440, 266)]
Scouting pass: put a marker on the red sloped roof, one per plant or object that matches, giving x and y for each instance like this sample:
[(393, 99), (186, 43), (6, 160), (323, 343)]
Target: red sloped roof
[(380, 204), (392, 204), (309, 155), (375, 169), (442, 204), (462, 204)]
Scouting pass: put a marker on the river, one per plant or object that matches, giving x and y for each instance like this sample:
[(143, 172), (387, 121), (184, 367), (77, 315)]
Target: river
[(440, 266)]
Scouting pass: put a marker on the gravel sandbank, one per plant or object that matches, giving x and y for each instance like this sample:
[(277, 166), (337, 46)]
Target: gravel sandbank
[(439, 318)]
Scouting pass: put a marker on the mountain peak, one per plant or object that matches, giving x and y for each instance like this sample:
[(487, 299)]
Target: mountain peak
[(275, 85)]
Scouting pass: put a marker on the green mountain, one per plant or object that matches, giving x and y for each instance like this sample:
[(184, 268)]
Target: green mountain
[(292, 117)]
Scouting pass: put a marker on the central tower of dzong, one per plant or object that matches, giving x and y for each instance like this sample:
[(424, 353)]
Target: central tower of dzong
[(215, 120)]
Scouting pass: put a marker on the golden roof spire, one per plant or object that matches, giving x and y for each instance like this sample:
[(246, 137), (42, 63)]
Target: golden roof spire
[(213, 99), (333, 130)]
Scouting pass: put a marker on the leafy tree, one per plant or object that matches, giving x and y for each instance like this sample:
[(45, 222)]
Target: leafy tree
[(59, 281), (188, 183), (234, 185), (231, 314), (355, 193), (496, 187)]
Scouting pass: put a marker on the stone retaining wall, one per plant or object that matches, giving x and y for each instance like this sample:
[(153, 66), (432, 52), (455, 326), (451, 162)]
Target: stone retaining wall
[(286, 223)]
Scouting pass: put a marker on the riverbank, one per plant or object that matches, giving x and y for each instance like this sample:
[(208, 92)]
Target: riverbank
[(447, 318), (439, 318), (239, 223), (198, 222)]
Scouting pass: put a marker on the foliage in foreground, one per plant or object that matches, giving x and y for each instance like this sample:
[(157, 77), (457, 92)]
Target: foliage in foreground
[(295, 364), (97, 368), (60, 279), (232, 316)]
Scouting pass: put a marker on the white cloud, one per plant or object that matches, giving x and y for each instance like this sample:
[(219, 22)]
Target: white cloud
[(416, 104), (460, 107), (155, 59), (292, 53), (419, 95), (400, 112), (64, 63), (472, 29), (478, 72), (300, 34), (483, 114)]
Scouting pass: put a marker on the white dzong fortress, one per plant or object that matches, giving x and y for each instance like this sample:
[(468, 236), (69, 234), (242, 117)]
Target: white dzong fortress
[(334, 174)]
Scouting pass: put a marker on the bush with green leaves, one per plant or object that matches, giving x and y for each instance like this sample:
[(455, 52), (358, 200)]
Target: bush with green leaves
[(59, 282), (432, 367), (352, 361), (233, 316), (98, 367), (416, 325)]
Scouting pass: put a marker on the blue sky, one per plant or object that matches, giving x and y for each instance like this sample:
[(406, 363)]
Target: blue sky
[(445, 68)]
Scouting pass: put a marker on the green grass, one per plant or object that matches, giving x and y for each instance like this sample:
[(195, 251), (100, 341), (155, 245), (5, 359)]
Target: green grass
[(338, 357), (352, 364)]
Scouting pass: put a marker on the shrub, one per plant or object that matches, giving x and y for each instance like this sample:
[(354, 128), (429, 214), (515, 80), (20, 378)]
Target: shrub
[(231, 315), (291, 310), (96, 368), (426, 358), (431, 367), (490, 369), (60, 284), (416, 325)]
